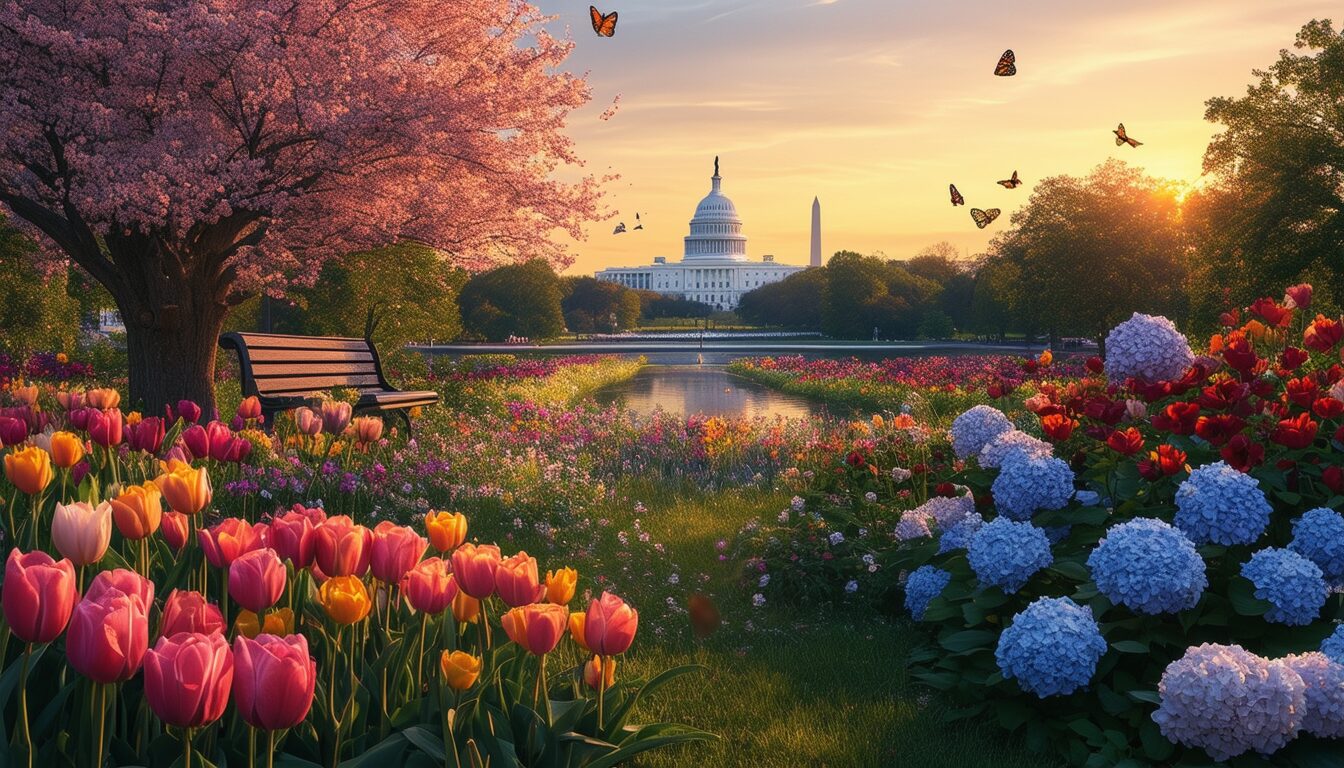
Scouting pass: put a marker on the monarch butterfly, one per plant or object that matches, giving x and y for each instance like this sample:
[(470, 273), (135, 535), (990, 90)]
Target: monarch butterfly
[(604, 26), (704, 615), (957, 199), (619, 228), (638, 225), (1123, 138), (1012, 183), (1007, 66), (982, 218)]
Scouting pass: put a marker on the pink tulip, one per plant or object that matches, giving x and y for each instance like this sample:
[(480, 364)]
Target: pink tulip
[(274, 680), (257, 579), (293, 534), (335, 416), (475, 566), (70, 400), (196, 441), (127, 582), (308, 421), (12, 431), (228, 539), (430, 587), (188, 411), (146, 436), (609, 627), (175, 528), (82, 531), (108, 636), (220, 439), (343, 548), (38, 595), (79, 418), (368, 429), (517, 580), (537, 627), (396, 550), (190, 612), (188, 677), (105, 427)]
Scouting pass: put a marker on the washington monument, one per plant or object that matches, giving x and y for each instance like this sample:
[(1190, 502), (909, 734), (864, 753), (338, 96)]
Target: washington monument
[(816, 233)]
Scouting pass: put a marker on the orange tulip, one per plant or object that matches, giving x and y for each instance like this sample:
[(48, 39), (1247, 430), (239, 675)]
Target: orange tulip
[(345, 599), (185, 488), (103, 398), (537, 627), (26, 395), (447, 530), (138, 511), (66, 449), (279, 623), (29, 469), (460, 669), (576, 622), (600, 672), (560, 585), (466, 609)]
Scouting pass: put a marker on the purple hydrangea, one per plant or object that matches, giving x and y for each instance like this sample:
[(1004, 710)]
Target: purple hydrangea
[(1218, 504), (1012, 443), (1318, 535), (1333, 646), (972, 430), (958, 535), (947, 510), (913, 524), (926, 583), (1324, 679), (1149, 567), (1227, 701), (1146, 347), (1291, 583), (1051, 648), (1027, 484), (1005, 554)]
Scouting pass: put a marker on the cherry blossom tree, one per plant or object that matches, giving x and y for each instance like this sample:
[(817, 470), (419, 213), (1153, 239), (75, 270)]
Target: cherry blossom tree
[(190, 153)]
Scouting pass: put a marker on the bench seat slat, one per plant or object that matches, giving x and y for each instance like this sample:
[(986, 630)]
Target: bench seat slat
[(276, 355), (271, 371), (275, 341), (314, 383)]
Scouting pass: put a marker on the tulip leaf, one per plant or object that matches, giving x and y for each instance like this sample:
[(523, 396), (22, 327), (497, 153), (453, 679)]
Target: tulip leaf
[(427, 742), (651, 737)]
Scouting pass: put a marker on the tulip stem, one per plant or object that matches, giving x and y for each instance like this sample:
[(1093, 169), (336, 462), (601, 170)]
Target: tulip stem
[(23, 704), (186, 748), (420, 656), (601, 691), (102, 722), (270, 749), (252, 748), (542, 690)]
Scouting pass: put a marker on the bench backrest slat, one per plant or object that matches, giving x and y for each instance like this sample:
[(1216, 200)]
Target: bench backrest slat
[(283, 365)]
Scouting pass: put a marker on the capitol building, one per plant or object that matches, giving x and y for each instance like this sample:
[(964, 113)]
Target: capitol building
[(714, 268)]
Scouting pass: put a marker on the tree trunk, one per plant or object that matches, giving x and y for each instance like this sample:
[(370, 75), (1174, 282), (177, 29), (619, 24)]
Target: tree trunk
[(171, 349)]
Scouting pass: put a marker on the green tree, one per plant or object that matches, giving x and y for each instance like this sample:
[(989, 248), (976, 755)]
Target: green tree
[(1275, 212), (794, 302), (591, 305), (996, 298), (36, 312), (866, 292), (513, 300)]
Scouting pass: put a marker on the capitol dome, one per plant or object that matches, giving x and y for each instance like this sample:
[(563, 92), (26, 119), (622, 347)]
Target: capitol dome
[(716, 229)]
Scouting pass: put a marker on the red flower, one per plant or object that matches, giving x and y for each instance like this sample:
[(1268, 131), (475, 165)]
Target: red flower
[(855, 459), (1127, 442), (1298, 296), (1165, 461), (1223, 396), (1237, 352), (995, 389), (1293, 358), (1297, 432), (1029, 366), (1095, 364), (1328, 407), (1220, 428), (1272, 312), (1333, 477), (947, 490), (1178, 418), (1241, 453), (1323, 334), (1301, 392), (1058, 427)]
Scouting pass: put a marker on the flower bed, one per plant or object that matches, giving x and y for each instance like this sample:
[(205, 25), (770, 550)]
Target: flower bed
[(1147, 568), (484, 382)]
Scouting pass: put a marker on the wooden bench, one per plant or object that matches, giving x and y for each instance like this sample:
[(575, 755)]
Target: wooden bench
[(289, 371)]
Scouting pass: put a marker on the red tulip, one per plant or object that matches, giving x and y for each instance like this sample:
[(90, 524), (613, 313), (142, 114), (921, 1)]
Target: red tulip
[(537, 627), (1323, 334), (1058, 426), (196, 441), (517, 580), (188, 677), (257, 579), (187, 411), (1293, 358), (1333, 477), (221, 440), (230, 538), (1220, 428), (1297, 432), (1127, 442), (293, 534), (108, 636), (175, 528), (1178, 418), (146, 436), (12, 431), (1272, 312), (1095, 364), (1167, 460), (475, 566), (1328, 408), (1239, 354), (609, 626), (127, 582), (249, 408), (105, 427), (190, 612), (396, 550), (1242, 454), (37, 596), (274, 679), (430, 586), (1298, 296), (343, 548)]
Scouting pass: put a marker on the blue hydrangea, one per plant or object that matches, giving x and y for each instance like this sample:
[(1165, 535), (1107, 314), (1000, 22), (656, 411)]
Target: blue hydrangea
[(1146, 347), (1290, 582), (1149, 567), (1333, 646), (914, 524), (1051, 648), (1056, 533), (973, 429), (1324, 680), (1227, 701), (945, 510), (1005, 554), (1218, 504), (1318, 535), (1027, 484), (1011, 443), (958, 535), (926, 583)]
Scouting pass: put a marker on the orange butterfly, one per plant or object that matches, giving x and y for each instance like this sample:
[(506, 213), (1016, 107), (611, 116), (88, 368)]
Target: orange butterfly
[(1012, 183), (1123, 138), (604, 26), (705, 618), (957, 199), (983, 218), (1007, 66)]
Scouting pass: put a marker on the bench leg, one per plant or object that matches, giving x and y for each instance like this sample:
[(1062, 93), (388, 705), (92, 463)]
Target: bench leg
[(406, 417)]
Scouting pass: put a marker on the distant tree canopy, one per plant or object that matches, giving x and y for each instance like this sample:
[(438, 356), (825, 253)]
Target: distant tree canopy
[(591, 305), (36, 311), (515, 299), (654, 305), (794, 302)]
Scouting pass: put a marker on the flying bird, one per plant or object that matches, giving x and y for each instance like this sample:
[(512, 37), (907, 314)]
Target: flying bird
[(604, 26), (1012, 183), (1007, 66), (619, 228), (983, 218), (957, 199), (1123, 138), (638, 225)]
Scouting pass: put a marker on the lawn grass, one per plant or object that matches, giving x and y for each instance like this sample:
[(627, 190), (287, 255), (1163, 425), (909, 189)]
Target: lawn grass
[(803, 688)]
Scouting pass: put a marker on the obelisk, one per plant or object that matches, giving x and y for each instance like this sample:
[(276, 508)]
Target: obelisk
[(816, 232)]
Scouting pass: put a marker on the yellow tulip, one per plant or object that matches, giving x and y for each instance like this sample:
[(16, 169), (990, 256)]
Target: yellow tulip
[(66, 449), (576, 623), (29, 469), (345, 599), (185, 488), (877, 420), (560, 585), (138, 510), (133, 418), (279, 623), (447, 530), (466, 609), (460, 669)]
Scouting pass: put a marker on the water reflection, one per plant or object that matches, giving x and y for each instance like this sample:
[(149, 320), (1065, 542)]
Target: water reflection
[(709, 390)]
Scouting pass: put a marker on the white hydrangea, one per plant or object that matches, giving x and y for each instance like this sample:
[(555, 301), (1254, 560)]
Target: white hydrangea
[(972, 430), (1146, 347), (947, 511), (1015, 441)]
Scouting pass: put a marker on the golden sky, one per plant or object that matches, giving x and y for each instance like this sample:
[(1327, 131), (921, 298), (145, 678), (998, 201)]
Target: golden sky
[(876, 105)]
